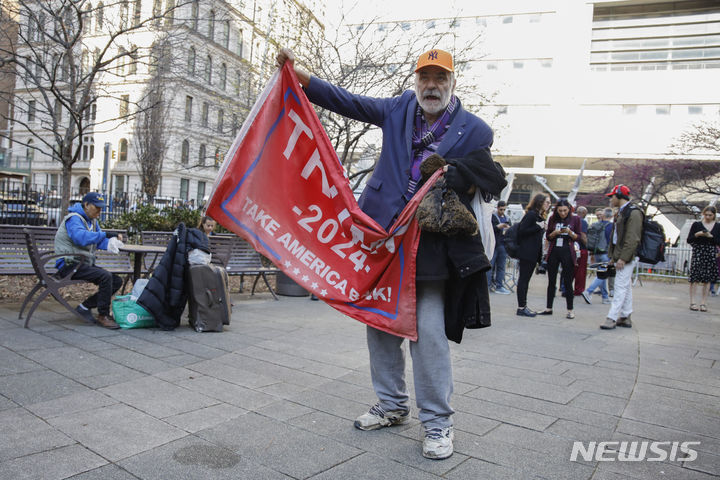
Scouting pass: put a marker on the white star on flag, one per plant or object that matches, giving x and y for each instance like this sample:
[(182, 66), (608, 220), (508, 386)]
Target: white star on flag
[(296, 271), (287, 263), (323, 292), (305, 278), (313, 285)]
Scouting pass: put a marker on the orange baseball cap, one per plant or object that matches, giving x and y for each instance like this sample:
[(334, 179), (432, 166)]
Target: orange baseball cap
[(438, 58)]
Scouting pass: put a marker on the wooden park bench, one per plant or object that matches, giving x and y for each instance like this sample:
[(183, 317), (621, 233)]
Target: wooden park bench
[(244, 260), (29, 250)]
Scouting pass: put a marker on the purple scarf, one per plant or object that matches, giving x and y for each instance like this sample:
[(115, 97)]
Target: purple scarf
[(426, 139)]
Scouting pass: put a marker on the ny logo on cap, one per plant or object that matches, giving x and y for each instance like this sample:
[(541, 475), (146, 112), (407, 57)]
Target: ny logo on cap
[(433, 55)]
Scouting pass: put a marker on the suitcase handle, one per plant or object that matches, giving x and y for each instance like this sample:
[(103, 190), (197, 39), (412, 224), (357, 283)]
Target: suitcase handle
[(210, 297)]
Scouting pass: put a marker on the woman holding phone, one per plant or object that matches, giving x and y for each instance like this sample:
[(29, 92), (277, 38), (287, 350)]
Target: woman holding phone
[(564, 229)]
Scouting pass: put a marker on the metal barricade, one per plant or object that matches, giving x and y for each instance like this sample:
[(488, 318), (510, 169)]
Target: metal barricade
[(675, 267)]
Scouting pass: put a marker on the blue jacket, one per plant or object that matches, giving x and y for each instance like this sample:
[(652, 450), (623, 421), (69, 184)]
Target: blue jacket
[(80, 235), (384, 197)]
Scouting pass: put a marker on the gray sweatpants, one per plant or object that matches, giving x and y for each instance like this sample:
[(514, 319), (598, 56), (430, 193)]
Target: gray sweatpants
[(432, 370)]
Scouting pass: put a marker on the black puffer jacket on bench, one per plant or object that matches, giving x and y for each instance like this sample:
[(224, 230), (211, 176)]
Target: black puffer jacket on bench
[(165, 295)]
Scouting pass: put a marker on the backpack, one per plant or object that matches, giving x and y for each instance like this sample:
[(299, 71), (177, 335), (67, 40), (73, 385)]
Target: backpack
[(510, 239), (596, 240), (652, 241)]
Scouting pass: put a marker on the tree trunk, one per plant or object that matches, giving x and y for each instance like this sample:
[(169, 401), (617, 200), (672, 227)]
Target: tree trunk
[(66, 181)]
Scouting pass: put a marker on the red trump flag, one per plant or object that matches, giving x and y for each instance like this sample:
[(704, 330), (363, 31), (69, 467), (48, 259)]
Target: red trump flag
[(283, 189)]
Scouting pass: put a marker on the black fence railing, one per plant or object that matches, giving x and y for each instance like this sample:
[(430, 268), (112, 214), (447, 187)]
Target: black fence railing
[(28, 204)]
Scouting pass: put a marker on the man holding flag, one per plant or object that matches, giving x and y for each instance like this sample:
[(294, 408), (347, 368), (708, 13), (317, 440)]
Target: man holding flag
[(415, 125)]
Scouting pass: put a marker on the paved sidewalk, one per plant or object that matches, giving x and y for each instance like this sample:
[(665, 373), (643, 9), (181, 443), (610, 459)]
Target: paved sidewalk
[(274, 395)]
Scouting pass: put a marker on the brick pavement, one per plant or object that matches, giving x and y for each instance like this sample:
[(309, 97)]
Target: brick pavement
[(274, 395)]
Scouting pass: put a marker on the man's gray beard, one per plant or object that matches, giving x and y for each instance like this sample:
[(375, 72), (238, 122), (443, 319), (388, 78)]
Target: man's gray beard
[(421, 102)]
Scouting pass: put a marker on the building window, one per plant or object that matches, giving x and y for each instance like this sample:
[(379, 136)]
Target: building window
[(656, 36), (157, 11), (200, 193), (508, 19), (201, 155), (629, 109), (137, 13), (185, 153), (237, 83), (169, 12), (122, 58), (191, 62), (240, 44), (133, 59), (188, 108), (518, 64), (124, 14), (208, 70), (58, 111), (124, 105), (195, 14), (211, 25), (220, 119), (225, 41), (123, 150), (65, 67), (88, 150), (184, 188), (502, 110), (223, 76), (30, 152), (695, 109), (662, 110), (234, 125), (119, 184), (31, 110), (99, 18), (87, 22), (205, 114)]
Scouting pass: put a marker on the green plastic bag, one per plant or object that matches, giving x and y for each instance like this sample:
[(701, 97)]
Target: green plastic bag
[(128, 314)]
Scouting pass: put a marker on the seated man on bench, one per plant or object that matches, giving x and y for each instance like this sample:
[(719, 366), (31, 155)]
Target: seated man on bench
[(80, 234)]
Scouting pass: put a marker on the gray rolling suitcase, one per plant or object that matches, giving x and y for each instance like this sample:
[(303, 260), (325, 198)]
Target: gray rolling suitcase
[(208, 298)]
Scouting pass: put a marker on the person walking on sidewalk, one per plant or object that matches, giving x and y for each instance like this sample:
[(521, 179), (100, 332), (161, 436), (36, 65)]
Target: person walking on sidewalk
[(564, 229), (599, 251), (496, 274), (704, 237), (530, 247), (415, 125), (624, 242), (80, 234)]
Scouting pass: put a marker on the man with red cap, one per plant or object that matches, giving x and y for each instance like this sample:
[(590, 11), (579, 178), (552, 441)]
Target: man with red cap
[(415, 125), (624, 242)]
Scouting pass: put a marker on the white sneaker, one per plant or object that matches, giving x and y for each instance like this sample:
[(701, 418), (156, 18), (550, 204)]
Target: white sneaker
[(438, 443), (376, 418), (586, 297), (606, 301), (502, 291)]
